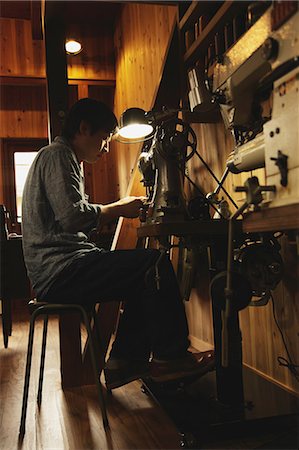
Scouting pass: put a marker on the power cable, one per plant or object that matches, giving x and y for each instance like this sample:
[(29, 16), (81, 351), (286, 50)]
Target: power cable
[(281, 360)]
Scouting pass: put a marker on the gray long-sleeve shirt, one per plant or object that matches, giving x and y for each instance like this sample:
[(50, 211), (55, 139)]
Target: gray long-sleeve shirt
[(56, 215)]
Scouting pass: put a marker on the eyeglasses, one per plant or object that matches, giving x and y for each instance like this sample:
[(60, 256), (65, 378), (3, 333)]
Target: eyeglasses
[(105, 148)]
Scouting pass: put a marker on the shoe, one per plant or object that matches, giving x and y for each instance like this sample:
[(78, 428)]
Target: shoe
[(119, 372), (194, 364)]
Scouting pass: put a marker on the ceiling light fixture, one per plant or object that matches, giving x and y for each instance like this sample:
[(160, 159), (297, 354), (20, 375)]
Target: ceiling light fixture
[(73, 47)]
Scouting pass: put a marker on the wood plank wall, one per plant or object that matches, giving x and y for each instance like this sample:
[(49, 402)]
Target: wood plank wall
[(141, 39), (23, 56), (20, 55), (23, 111), (96, 61)]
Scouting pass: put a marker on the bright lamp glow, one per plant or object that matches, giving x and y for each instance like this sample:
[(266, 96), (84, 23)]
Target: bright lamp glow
[(73, 47), (135, 131), (134, 124)]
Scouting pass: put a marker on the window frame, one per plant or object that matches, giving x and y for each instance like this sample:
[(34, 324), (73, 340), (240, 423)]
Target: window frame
[(9, 147)]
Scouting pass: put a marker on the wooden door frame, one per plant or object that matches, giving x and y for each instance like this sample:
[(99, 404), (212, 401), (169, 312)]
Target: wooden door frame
[(8, 148)]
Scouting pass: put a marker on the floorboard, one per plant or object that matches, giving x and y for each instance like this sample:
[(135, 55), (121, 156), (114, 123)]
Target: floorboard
[(71, 420)]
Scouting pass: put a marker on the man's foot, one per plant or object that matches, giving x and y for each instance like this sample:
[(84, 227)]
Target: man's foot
[(193, 364), (119, 372)]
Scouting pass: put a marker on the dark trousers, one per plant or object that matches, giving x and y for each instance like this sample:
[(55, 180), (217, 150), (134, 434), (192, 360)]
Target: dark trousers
[(153, 320)]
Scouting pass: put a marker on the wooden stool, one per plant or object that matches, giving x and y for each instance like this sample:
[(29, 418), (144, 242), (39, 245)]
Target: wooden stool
[(36, 309)]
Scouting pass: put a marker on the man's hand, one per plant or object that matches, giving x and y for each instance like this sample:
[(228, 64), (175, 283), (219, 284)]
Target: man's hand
[(130, 206), (126, 207)]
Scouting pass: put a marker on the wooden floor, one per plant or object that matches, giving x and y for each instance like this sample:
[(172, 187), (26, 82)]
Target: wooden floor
[(71, 419)]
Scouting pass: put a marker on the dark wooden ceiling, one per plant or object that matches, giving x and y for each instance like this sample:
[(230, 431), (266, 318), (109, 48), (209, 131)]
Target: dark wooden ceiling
[(75, 11), (81, 11)]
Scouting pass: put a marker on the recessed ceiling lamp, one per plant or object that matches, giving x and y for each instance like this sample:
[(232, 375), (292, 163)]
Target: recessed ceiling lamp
[(73, 47)]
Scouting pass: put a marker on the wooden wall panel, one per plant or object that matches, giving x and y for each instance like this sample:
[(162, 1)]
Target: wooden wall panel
[(20, 55), (213, 144), (103, 173), (23, 111), (96, 61), (141, 39)]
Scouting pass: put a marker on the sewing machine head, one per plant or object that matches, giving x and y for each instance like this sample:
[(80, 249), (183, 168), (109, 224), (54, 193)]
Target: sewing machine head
[(257, 88), (162, 164)]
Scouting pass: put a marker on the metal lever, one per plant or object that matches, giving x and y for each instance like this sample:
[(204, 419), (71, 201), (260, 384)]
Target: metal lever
[(282, 163)]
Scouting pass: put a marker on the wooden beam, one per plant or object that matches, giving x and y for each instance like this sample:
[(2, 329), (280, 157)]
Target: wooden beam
[(88, 82), (36, 19), (22, 81), (56, 67), (35, 81)]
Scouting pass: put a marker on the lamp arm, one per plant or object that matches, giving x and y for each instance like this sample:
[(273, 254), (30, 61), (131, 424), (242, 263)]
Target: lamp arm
[(166, 114)]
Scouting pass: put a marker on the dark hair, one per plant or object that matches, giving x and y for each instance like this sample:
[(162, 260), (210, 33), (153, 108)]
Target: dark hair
[(95, 113)]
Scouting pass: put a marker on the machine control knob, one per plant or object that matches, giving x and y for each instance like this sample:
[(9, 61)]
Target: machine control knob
[(270, 49), (282, 163)]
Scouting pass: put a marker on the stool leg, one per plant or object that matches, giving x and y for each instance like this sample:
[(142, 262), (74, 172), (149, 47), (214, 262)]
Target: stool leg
[(95, 369), (27, 376), (6, 320), (98, 347), (42, 361), (98, 344)]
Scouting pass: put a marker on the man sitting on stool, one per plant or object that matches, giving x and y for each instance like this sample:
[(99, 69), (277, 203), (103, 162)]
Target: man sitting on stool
[(65, 266)]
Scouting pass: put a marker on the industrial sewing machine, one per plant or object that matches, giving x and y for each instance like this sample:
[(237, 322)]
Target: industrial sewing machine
[(163, 166), (257, 88)]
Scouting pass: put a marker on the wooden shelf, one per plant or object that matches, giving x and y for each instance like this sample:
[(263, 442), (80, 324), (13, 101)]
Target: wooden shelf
[(280, 218), (195, 10), (202, 229), (192, 13), (224, 14)]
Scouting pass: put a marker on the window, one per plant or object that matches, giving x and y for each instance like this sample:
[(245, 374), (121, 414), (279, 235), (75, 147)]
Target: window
[(22, 163), (16, 156)]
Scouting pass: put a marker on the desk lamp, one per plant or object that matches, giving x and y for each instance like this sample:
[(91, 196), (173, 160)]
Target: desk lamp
[(134, 123)]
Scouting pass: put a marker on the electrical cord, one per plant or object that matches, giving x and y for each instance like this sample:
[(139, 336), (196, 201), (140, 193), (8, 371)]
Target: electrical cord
[(281, 360), (216, 179), (199, 190)]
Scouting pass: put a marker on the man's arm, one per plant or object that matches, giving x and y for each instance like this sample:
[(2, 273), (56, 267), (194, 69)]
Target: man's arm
[(126, 207)]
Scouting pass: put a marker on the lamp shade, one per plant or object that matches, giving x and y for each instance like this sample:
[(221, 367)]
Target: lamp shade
[(133, 124)]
